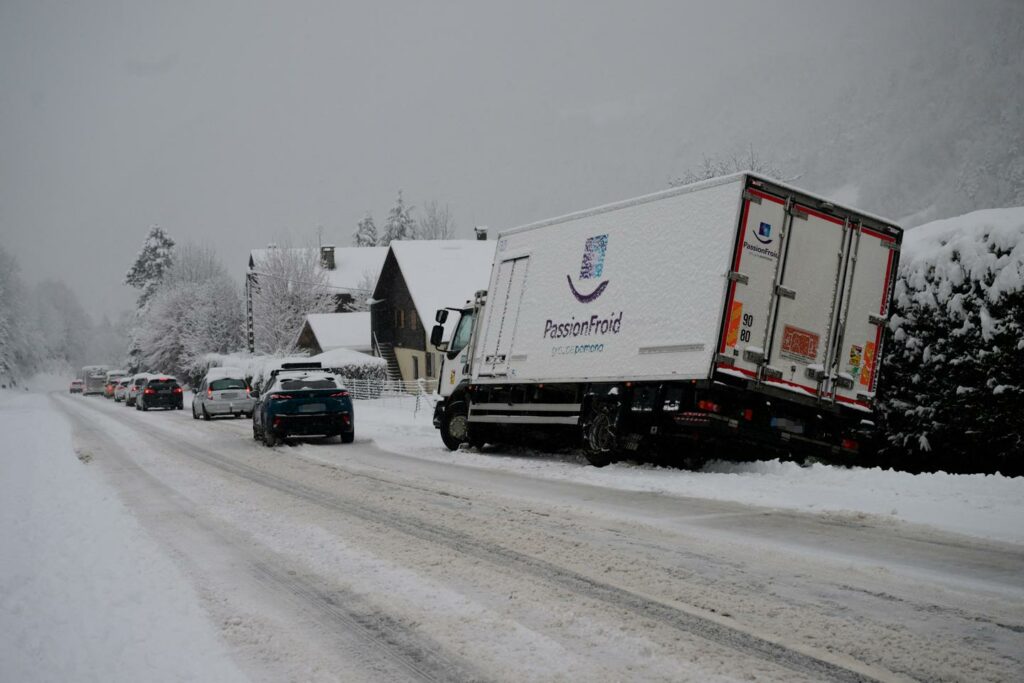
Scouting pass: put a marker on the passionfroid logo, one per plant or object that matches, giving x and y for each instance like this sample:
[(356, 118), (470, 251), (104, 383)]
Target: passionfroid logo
[(763, 234), (591, 268)]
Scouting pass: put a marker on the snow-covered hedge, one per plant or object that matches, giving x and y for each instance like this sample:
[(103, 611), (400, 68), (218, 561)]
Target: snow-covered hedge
[(257, 367), (953, 393)]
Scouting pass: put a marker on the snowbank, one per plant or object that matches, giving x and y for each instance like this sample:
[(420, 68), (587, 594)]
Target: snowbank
[(85, 594), (986, 506)]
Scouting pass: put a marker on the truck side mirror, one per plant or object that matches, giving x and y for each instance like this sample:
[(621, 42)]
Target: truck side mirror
[(436, 335), (441, 316)]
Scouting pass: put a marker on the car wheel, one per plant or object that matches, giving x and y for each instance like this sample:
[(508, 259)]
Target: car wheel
[(195, 415), (269, 439), (138, 406), (144, 406), (206, 415), (255, 433), (349, 437)]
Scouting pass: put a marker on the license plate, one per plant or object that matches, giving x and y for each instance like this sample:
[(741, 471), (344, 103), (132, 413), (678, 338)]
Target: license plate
[(312, 408), (229, 394)]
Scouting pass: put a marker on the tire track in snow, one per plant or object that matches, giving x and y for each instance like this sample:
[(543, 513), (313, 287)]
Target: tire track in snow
[(818, 665), (396, 647)]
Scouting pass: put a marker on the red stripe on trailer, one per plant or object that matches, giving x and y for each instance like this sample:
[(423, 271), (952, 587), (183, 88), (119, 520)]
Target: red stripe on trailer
[(735, 267), (753, 375), (884, 238), (769, 197), (878, 332)]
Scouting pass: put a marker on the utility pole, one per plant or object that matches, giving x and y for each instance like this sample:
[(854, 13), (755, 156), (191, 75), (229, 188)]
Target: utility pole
[(250, 334)]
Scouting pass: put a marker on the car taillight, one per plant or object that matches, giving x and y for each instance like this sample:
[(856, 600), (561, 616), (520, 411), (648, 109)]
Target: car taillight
[(346, 419), (709, 406), (177, 390), (851, 445), (340, 394), (149, 391), (279, 397), (209, 393)]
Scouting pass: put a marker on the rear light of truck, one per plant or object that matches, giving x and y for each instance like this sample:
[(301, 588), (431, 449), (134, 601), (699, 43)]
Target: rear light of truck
[(709, 406), (748, 414), (851, 445)]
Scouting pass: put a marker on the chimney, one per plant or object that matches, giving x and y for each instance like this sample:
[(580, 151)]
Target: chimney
[(327, 257), (481, 232)]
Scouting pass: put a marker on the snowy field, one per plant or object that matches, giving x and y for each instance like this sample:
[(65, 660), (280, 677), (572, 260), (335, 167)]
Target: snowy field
[(85, 594), (986, 506)]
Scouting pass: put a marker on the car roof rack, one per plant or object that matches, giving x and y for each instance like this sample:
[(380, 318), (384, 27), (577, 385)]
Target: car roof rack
[(312, 365)]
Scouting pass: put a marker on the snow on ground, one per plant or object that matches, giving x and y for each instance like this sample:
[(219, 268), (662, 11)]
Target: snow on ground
[(987, 506), (85, 594)]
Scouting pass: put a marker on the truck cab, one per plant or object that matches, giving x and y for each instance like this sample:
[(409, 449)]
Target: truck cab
[(452, 336)]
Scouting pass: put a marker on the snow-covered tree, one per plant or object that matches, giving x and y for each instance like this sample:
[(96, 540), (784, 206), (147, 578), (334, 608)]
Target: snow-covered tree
[(151, 264), (953, 391), (21, 347), (436, 223), (400, 224), (289, 285), (366, 233), (714, 167), (196, 310)]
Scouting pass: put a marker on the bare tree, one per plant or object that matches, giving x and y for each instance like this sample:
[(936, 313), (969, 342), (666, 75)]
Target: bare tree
[(715, 167), (363, 291), (436, 223)]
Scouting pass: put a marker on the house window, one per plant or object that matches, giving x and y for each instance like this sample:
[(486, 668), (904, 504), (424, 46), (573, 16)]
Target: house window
[(412, 318), (399, 318), (430, 364), (415, 367)]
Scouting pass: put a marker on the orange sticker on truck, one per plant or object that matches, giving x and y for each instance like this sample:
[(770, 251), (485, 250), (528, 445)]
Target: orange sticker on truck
[(735, 318), (867, 368), (800, 345)]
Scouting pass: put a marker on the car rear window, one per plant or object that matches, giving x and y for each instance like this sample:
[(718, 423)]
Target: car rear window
[(222, 384), (297, 383)]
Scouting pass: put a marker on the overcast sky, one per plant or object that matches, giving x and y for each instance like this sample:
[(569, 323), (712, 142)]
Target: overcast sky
[(234, 124)]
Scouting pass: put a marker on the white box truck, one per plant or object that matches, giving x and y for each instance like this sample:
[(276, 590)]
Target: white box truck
[(683, 323)]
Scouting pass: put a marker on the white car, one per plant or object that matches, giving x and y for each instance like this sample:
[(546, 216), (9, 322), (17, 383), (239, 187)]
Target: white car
[(224, 391)]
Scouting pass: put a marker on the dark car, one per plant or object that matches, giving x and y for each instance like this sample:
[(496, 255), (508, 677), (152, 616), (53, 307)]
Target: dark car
[(76, 386), (160, 392), (303, 403)]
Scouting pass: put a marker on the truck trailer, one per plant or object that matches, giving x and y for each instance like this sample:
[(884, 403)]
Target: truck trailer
[(700, 320)]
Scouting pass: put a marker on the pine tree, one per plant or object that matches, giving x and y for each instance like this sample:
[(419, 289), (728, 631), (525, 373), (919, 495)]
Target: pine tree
[(366, 233), (400, 224), (151, 264)]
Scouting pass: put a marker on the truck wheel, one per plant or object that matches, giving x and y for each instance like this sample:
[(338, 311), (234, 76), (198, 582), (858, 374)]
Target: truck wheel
[(455, 426), (599, 436)]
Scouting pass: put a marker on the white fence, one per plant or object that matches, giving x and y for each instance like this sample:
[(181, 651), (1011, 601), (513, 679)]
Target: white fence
[(417, 394)]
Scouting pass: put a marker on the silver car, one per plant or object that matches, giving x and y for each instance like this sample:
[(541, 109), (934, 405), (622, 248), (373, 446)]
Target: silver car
[(222, 393), (134, 387)]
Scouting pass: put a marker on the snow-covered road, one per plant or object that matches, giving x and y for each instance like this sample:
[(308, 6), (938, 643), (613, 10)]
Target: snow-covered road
[(357, 562)]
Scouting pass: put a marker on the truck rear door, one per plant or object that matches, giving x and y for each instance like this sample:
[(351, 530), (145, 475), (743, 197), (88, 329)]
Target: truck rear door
[(864, 305), (754, 268), (502, 316), (807, 292)]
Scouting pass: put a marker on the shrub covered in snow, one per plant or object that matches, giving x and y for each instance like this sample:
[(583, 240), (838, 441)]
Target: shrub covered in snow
[(257, 367), (953, 397)]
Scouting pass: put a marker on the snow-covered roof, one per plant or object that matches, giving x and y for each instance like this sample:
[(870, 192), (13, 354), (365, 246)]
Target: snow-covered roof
[(351, 264), (340, 357), (340, 330), (443, 273)]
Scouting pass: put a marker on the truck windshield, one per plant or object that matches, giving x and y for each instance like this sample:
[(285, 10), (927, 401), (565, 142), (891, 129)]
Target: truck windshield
[(461, 337)]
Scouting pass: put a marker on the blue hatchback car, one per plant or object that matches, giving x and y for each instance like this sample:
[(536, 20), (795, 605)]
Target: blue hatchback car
[(303, 400)]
